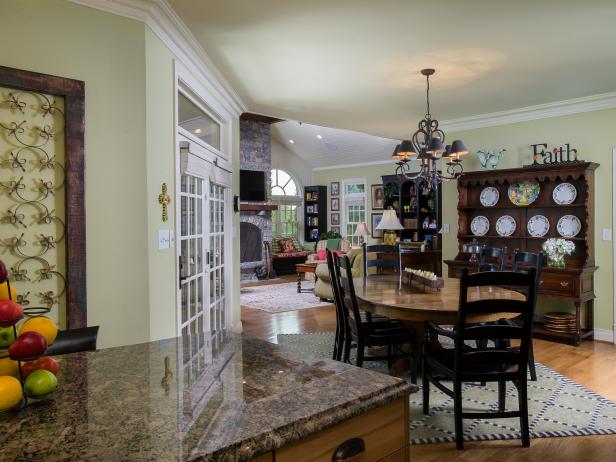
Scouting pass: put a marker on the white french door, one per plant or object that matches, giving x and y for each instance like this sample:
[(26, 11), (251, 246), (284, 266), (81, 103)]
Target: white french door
[(203, 224)]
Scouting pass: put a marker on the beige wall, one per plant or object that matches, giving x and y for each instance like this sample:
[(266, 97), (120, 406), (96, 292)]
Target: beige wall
[(130, 148), (592, 133)]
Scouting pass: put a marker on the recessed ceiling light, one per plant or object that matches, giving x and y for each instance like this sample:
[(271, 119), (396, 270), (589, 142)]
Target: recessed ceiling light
[(291, 141), (197, 130), (319, 137)]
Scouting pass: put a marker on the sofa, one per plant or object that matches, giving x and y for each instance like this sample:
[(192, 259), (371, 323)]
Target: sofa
[(323, 288), (284, 262)]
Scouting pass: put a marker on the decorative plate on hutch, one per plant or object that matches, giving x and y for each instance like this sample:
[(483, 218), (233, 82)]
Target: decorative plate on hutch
[(505, 225), (538, 226), (569, 226), (564, 194), (480, 226), (524, 192), (489, 196)]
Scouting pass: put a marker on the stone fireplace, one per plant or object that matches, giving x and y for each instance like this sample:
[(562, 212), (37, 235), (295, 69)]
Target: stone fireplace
[(255, 218)]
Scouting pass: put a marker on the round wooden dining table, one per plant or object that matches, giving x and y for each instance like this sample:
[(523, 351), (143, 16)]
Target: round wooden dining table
[(384, 295)]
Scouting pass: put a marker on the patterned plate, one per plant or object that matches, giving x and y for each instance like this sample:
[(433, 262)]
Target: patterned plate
[(505, 225), (480, 226), (523, 193), (564, 194), (569, 226), (538, 226), (489, 196)]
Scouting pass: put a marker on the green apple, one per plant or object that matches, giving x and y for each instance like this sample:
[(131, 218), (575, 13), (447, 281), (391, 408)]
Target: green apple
[(7, 336), (39, 383)]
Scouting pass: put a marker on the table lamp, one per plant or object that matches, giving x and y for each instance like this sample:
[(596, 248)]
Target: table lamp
[(362, 231), (390, 224)]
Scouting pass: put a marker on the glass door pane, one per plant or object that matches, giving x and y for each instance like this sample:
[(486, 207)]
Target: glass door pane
[(216, 257)]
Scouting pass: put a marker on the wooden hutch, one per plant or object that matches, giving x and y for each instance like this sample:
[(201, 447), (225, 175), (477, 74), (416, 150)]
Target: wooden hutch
[(575, 282), (419, 212)]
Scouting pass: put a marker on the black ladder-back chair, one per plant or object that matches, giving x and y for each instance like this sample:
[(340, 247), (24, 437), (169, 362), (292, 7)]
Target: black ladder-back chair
[(500, 364), (342, 334), (492, 258), (392, 264), (73, 341), (522, 262), (363, 334)]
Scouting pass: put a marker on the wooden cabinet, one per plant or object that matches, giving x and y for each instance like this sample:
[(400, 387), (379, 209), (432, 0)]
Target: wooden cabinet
[(575, 282), (379, 435)]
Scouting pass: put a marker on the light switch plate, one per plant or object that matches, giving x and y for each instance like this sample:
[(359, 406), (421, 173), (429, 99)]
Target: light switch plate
[(163, 239), (607, 234), (445, 228)]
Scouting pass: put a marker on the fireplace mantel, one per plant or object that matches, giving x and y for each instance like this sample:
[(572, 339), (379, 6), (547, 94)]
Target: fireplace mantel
[(252, 207)]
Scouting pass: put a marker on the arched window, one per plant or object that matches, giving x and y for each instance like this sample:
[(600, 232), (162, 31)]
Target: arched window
[(286, 194)]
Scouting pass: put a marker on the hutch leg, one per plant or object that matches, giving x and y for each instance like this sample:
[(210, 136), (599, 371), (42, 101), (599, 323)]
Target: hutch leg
[(590, 317), (578, 327)]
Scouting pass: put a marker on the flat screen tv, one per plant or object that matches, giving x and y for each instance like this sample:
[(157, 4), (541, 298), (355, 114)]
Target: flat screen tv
[(252, 185)]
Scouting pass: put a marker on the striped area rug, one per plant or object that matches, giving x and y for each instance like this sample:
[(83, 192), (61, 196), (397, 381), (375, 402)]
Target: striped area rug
[(557, 406)]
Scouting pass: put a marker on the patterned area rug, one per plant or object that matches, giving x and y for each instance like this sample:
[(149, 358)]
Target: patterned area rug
[(557, 406), (277, 298)]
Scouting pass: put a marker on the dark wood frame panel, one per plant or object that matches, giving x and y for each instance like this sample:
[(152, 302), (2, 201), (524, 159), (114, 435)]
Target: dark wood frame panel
[(73, 92)]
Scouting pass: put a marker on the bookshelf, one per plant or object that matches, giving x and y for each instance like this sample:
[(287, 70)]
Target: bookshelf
[(315, 212)]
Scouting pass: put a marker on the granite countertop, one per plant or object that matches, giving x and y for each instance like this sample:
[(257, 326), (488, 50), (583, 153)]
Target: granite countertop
[(199, 398)]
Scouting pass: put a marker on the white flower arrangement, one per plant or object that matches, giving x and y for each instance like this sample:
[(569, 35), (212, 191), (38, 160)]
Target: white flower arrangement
[(558, 247), (490, 158)]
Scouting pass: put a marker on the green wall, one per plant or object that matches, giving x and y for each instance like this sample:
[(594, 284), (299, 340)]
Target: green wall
[(591, 133), (130, 148)]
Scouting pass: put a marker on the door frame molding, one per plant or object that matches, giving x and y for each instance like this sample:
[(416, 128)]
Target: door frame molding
[(73, 92)]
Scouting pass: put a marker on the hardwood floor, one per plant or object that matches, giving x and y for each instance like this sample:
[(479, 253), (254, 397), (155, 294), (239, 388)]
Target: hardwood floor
[(593, 364)]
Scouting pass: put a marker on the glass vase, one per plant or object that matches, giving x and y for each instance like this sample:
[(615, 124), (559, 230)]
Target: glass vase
[(556, 260)]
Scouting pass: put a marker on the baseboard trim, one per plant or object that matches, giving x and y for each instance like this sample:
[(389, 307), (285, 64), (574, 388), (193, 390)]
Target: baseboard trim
[(604, 335)]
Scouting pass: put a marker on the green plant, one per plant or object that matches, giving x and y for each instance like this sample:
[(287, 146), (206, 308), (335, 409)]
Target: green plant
[(330, 235), (389, 191)]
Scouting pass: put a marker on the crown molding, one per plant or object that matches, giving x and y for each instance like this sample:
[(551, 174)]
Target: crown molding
[(540, 111), (171, 30)]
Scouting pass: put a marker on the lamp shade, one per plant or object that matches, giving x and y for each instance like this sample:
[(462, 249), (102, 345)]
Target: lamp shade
[(458, 148), (406, 150), (447, 152), (396, 156), (435, 147), (361, 230), (390, 221)]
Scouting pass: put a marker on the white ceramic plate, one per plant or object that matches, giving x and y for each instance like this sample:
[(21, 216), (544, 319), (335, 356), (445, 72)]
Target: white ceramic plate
[(564, 194), (505, 225), (480, 226), (489, 196), (538, 226), (569, 226)]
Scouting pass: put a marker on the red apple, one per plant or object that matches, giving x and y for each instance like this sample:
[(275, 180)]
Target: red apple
[(10, 313), (28, 345), (47, 363)]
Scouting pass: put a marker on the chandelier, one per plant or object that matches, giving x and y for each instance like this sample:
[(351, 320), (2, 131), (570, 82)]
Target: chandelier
[(427, 146)]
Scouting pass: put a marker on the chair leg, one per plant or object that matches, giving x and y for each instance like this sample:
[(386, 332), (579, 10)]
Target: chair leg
[(336, 343), (414, 364), (457, 410), (523, 403), (531, 362), (347, 347), (425, 389), (502, 395), (360, 354)]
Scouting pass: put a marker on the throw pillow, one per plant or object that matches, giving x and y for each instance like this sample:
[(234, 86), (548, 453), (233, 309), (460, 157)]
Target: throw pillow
[(322, 255), (287, 246)]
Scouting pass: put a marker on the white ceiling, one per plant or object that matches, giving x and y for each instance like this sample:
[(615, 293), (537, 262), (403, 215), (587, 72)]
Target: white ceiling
[(336, 147), (354, 64)]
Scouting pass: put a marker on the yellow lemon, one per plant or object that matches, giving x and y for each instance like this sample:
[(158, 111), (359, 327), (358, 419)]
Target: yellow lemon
[(10, 392), (9, 367), (4, 292), (43, 325)]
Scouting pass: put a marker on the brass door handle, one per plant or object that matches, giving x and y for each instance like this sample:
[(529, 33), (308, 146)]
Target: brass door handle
[(564, 283), (349, 450)]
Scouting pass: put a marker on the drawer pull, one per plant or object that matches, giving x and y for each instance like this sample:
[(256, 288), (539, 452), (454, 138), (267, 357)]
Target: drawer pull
[(349, 450), (541, 282), (564, 283)]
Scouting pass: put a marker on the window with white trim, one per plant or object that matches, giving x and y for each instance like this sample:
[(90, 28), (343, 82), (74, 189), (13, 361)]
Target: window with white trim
[(285, 194), (354, 208)]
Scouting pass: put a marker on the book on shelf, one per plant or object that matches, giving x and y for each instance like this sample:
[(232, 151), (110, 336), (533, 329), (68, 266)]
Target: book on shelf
[(314, 234)]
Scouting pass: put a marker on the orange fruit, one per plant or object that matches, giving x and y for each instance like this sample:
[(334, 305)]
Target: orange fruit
[(9, 367), (43, 325), (4, 292), (10, 392)]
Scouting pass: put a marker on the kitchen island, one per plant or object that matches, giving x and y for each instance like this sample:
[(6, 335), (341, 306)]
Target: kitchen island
[(211, 398)]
